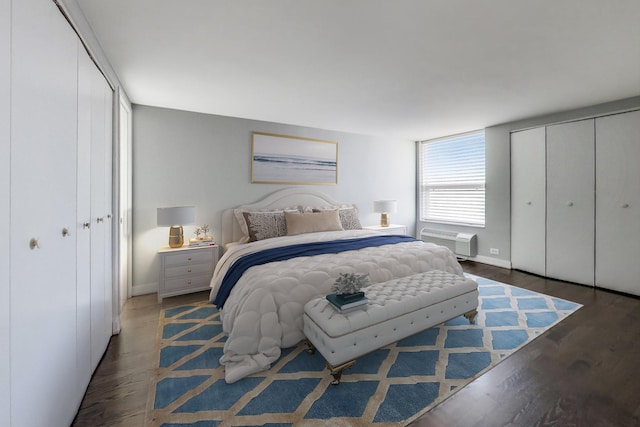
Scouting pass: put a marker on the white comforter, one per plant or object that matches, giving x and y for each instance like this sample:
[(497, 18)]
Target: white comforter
[(264, 310)]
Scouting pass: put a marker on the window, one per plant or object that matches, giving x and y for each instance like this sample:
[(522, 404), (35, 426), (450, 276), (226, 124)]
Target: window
[(451, 181)]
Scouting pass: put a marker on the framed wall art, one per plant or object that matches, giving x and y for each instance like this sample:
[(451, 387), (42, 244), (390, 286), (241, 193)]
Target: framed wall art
[(281, 159)]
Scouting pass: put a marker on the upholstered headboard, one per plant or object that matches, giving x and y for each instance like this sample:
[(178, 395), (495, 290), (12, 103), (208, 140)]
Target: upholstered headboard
[(281, 199)]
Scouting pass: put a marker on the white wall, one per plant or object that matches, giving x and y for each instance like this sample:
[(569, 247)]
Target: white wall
[(5, 210), (185, 158), (497, 231)]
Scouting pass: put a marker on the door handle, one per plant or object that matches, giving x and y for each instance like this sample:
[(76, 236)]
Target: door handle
[(34, 243)]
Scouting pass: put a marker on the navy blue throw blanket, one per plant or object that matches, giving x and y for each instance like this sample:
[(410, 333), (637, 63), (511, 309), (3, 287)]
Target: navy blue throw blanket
[(242, 264)]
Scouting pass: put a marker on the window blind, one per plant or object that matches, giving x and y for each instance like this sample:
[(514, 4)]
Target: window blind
[(452, 178)]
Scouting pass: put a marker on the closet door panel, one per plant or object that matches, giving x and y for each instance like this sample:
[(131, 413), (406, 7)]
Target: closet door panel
[(108, 192), (83, 220), (528, 200), (5, 108), (98, 218), (570, 201), (618, 202), (43, 200)]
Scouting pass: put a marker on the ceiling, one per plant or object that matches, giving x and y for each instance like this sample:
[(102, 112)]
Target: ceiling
[(414, 69)]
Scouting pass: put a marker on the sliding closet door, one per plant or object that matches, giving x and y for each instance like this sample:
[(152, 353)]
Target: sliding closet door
[(5, 147), (83, 220), (43, 201), (108, 209), (570, 201), (618, 202), (528, 200), (93, 223), (98, 217)]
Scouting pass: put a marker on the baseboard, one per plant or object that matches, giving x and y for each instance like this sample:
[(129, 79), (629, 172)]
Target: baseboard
[(503, 263), (144, 289), (115, 325)]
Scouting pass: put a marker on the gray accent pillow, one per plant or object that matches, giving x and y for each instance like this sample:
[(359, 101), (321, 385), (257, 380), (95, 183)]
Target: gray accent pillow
[(265, 225), (350, 219)]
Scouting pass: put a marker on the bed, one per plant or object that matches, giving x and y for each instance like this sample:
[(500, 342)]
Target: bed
[(287, 249)]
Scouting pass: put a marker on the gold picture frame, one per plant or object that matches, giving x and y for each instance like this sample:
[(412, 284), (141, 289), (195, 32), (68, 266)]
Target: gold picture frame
[(283, 159)]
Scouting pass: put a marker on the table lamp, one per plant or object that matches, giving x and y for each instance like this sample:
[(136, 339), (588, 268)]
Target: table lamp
[(175, 218), (384, 207)]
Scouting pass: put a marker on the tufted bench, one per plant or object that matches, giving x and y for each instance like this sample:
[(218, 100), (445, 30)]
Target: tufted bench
[(396, 309)]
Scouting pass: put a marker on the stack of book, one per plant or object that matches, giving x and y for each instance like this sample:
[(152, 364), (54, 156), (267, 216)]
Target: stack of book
[(201, 242), (345, 303)]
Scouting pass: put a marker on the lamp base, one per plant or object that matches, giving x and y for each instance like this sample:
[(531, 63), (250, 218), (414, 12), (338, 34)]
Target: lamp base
[(384, 220), (176, 236)]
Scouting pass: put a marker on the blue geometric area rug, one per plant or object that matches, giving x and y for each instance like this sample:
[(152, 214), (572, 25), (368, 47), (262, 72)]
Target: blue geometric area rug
[(389, 387)]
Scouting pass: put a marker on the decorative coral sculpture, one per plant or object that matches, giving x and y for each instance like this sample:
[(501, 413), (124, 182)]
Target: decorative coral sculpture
[(202, 234), (349, 283)]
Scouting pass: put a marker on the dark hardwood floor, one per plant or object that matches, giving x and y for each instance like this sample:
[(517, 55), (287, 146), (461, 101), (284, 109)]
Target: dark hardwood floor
[(583, 372), (117, 393)]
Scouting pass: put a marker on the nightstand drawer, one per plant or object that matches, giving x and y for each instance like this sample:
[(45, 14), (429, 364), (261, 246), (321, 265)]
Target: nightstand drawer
[(191, 257), (188, 270), (188, 282)]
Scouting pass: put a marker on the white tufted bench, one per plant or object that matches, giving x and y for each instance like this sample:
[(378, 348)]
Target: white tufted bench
[(396, 309)]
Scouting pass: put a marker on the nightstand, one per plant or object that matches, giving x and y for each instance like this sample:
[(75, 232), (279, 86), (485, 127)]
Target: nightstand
[(392, 229), (185, 270)]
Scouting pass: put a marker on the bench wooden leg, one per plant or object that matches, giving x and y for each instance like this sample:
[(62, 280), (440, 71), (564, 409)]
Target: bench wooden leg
[(471, 316), (336, 371), (311, 349)]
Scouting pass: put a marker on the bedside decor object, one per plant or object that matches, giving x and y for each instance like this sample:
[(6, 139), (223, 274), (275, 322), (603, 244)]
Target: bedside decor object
[(384, 207), (175, 218), (203, 238), (281, 159)]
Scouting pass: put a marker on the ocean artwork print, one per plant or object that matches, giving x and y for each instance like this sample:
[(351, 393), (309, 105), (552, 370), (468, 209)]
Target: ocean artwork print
[(280, 159)]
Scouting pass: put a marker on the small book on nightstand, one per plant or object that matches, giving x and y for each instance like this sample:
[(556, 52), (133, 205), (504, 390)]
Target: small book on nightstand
[(195, 243)]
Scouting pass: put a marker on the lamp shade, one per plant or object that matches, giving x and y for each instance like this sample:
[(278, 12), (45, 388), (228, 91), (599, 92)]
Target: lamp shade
[(181, 215), (385, 206)]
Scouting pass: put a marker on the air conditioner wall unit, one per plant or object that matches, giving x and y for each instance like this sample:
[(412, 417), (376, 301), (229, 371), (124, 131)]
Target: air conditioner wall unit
[(463, 244)]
